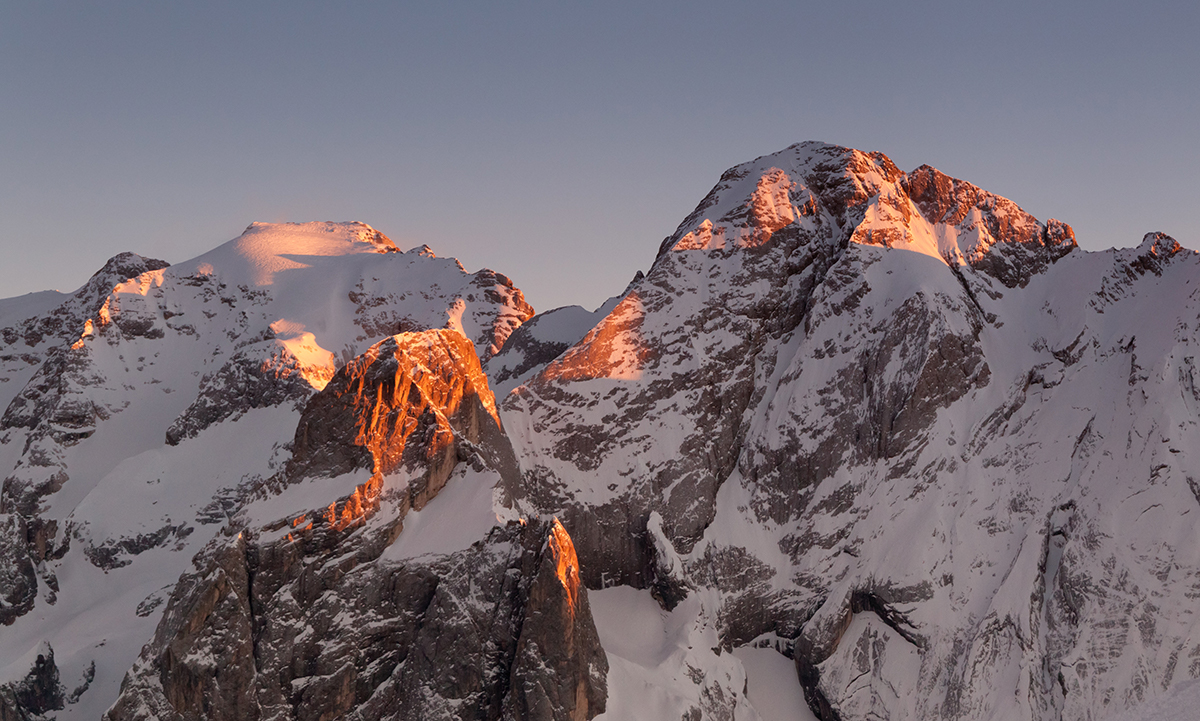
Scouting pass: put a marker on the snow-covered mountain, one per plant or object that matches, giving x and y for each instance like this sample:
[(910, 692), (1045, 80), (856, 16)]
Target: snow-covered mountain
[(150, 407), (860, 444)]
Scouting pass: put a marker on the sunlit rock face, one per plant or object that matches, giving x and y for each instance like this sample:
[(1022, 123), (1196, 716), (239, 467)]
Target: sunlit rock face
[(227, 332), (994, 235), (401, 403), (261, 375), (44, 373), (656, 401), (416, 403), (537, 342), (559, 667)]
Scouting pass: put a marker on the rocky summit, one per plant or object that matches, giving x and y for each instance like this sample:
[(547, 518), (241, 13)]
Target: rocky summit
[(860, 444)]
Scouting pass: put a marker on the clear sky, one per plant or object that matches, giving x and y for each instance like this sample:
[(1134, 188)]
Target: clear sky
[(556, 142)]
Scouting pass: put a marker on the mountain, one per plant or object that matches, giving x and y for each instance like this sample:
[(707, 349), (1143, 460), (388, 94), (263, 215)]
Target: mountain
[(159, 403), (860, 444)]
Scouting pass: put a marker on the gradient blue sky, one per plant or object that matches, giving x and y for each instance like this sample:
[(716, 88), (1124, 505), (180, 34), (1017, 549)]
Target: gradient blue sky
[(559, 143)]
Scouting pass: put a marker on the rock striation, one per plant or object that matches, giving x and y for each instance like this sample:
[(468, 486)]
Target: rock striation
[(307, 618), (167, 399)]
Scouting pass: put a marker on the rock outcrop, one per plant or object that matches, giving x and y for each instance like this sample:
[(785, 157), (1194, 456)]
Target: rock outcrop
[(37, 693), (318, 625), (145, 411), (18, 579), (308, 618), (691, 349), (410, 401), (558, 666), (262, 375), (542, 339)]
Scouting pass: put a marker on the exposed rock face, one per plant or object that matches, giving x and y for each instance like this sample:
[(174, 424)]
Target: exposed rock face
[(669, 582), (115, 553), (322, 627), (319, 623), (845, 391), (65, 321), (536, 343), (204, 646), (411, 401), (1002, 240), (37, 693), (18, 580), (429, 382), (559, 667), (217, 356), (379, 310), (544, 338), (692, 348), (262, 375), (38, 374), (229, 306)]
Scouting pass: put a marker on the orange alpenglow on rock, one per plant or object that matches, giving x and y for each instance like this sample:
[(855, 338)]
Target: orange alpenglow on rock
[(613, 349), (357, 505), (436, 371), (400, 405), (566, 562)]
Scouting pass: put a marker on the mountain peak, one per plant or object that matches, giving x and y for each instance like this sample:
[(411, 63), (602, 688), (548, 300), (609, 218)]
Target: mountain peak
[(859, 439), (1159, 244), (127, 265), (265, 249), (320, 238), (846, 195)]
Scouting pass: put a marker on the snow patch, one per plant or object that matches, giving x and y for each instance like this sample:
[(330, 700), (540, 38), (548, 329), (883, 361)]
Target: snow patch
[(462, 513), (773, 686)]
